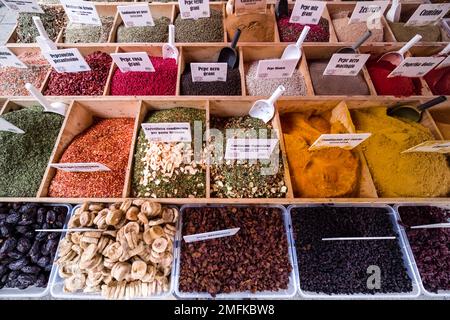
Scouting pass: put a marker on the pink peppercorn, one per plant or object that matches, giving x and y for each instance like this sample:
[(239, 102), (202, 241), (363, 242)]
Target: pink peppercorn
[(162, 82), (289, 32), (90, 83)]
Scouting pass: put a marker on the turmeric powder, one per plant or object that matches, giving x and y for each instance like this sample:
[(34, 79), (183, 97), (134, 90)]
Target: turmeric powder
[(326, 173)]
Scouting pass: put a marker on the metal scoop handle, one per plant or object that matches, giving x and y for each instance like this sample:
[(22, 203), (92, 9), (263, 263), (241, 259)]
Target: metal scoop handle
[(235, 40), (361, 40), (431, 103)]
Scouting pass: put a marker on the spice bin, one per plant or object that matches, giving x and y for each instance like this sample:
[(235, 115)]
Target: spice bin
[(288, 293), (415, 292), (35, 292), (440, 293)]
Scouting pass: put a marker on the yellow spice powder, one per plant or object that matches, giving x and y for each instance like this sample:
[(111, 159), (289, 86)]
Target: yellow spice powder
[(397, 174)]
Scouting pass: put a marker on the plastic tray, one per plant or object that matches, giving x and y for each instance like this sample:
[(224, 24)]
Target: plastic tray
[(406, 258), (291, 290), (57, 283), (35, 292), (441, 293)]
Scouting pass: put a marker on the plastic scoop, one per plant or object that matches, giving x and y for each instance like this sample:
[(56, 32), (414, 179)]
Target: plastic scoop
[(229, 54), (357, 44), (294, 51), (265, 109), (229, 8), (396, 57), (393, 15), (282, 9), (170, 51), (43, 39), (444, 51), (414, 113), (55, 107)]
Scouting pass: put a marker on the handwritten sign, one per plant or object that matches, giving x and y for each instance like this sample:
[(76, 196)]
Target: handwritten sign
[(427, 14), (364, 10), (168, 132), (9, 127), (439, 146), (9, 59), (346, 141), (276, 68), (194, 9), (249, 149), (66, 60), (345, 64), (133, 61), (81, 12), (414, 67), (80, 167), (138, 15), (250, 6), (307, 12), (211, 235), (30, 6), (208, 72)]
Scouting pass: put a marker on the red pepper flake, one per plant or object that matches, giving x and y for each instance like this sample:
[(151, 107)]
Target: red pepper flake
[(289, 32), (107, 142), (162, 82), (395, 86), (90, 83)]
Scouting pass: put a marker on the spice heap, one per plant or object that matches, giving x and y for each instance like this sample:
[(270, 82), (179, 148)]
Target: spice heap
[(88, 33), (325, 173), (230, 87), (255, 27), (26, 256), (395, 86), (131, 258), (289, 32), (157, 33), (295, 85), (397, 174), (24, 157), (341, 267), (245, 178), (346, 32), (403, 33), (53, 19), (88, 83), (429, 246), (175, 169), (162, 82), (200, 30), (439, 81), (13, 80), (107, 142), (336, 85), (255, 259)]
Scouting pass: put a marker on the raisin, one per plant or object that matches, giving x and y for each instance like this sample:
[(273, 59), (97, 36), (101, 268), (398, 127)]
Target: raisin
[(18, 264), (13, 218), (51, 217), (41, 281), (43, 262), (31, 269), (16, 255), (23, 245), (8, 245), (22, 229)]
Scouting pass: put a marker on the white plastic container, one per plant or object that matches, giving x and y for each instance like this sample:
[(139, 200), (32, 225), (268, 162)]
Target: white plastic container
[(291, 290), (406, 258), (35, 292), (441, 293), (57, 283)]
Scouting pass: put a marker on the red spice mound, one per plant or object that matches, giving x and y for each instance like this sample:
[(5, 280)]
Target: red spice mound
[(439, 81), (395, 86), (162, 82), (90, 83), (289, 32), (107, 142)]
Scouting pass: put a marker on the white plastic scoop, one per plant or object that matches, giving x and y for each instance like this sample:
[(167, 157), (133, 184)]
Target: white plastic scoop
[(55, 107), (294, 51), (43, 40), (265, 109), (396, 57), (229, 8), (444, 51), (169, 49), (393, 15)]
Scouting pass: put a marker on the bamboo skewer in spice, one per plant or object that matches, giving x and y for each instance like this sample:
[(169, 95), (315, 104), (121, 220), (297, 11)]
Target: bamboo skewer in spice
[(108, 142)]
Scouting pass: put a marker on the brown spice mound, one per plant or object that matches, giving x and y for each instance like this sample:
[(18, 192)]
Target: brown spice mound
[(254, 27)]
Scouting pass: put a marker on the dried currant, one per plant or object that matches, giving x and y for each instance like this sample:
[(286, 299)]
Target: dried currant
[(18, 264), (23, 245)]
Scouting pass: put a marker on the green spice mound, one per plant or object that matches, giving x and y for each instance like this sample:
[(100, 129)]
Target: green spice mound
[(170, 170), (244, 178), (88, 33), (200, 30), (397, 174), (24, 157), (157, 33)]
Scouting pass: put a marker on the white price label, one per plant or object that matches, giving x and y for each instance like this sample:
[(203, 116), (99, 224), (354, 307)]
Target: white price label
[(346, 141), (194, 9), (414, 67), (250, 6), (439, 146), (364, 10), (307, 12), (138, 15), (249, 149), (30, 6), (80, 167), (211, 235), (345, 64), (133, 61), (208, 72), (9, 127), (66, 60), (81, 12), (9, 59), (427, 14), (444, 64), (168, 131), (276, 68)]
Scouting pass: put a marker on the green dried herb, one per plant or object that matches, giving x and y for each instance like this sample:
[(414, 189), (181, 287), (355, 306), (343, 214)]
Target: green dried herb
[(200, 30), (88, 33), (159, 169), (24, 157), (158, 33)]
